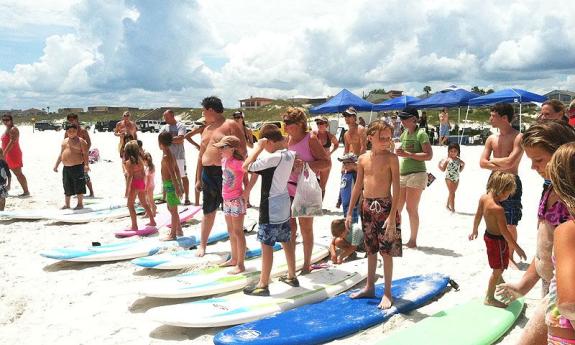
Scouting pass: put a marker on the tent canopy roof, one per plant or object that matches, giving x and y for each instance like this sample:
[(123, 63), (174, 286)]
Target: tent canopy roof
[(457, 98), (397, 103), (343, 100), (508, 96)]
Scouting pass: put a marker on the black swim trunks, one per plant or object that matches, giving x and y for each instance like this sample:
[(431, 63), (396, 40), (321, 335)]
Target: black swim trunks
[(73, 180), (512, 205), (211, 188)]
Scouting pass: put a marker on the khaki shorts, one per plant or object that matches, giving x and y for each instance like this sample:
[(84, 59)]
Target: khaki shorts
[(182, 167), (415, 180)]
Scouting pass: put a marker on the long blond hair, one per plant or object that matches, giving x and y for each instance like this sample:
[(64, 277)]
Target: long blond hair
[(561, 171), (501, 182)]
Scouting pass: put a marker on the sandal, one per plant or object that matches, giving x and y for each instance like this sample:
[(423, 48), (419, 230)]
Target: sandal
[(256, 291), (289, 281)]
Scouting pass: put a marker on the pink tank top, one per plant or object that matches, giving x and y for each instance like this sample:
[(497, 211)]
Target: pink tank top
[(303, 152)]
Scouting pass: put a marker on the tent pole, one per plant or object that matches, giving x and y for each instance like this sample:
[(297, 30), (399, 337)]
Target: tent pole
[(463, 129)]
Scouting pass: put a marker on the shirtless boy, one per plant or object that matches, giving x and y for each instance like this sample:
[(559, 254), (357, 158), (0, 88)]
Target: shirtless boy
[(74, 157), (503, 152), (354, 138), (123, 128), (82, 133), (172, 184), (378, 182), (497, 238), (209, 176)]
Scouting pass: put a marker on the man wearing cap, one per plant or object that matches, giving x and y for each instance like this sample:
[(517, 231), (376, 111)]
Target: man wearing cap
[(178, 132), (238, 116), (123, 128), (209, 178), (354, 138), (415, 150)]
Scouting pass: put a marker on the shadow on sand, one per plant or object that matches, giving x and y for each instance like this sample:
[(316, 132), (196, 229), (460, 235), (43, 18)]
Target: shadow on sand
[(438, 251)]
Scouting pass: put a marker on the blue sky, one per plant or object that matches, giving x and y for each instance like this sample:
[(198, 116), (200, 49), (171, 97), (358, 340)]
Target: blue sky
[(149, 53)]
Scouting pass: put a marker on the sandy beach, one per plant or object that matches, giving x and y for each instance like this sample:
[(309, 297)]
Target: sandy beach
[(43, 301)]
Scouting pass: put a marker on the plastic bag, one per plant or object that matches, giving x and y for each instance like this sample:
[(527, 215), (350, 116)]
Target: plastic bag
[(307, 200)]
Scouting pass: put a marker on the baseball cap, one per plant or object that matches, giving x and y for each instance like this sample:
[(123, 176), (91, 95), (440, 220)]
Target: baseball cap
[(228, 140), (408, 112), (350, 112), (322, 119), (238, 114), (348, 158)]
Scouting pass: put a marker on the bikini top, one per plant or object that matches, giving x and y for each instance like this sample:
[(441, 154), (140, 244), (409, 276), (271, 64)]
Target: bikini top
[(556, 214)]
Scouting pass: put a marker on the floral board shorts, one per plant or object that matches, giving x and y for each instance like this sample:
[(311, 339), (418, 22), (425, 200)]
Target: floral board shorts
[(374, 213), (235, 207), (269, 234)]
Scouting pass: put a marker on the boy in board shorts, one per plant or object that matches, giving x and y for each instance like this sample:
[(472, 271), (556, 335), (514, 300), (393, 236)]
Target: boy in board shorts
[(497, 237), (172, 184), (378, 183), (274, 220)]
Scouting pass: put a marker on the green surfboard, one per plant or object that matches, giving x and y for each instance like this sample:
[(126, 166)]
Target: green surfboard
[(472, 323)]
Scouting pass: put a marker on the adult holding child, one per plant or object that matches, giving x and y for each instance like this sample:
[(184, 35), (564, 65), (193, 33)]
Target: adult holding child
[(12, 152), (540, 141), (125, 129), (415, 150), (209, 177), (503, 152), (178, 132), (308, 150)]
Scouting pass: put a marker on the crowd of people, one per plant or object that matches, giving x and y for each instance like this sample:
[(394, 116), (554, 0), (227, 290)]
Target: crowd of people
[(376, 184)]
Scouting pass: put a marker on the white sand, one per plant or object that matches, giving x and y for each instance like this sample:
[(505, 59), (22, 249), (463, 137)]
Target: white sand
[(48, 302)]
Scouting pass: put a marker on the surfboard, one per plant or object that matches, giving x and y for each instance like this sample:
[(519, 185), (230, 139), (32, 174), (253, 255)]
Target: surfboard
[(94, 216), (127, 249), (215, 255), (163, 218), (117, 251), (471, 323), (335, 317), (217, 280), (50, 213), (237, 308)]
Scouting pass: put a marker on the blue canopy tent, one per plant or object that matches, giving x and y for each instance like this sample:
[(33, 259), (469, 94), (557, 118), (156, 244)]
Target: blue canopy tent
[(508, 96), (457, 98), (397, 103), (343, 100)]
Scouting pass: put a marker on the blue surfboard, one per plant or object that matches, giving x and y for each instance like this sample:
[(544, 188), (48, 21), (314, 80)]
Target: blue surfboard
[(335, 317)]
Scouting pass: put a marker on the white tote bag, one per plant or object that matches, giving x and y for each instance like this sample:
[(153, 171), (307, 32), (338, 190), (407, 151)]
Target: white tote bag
[(307, 200)]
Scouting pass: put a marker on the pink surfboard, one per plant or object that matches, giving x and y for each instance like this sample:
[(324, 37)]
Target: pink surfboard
[(163, 218)]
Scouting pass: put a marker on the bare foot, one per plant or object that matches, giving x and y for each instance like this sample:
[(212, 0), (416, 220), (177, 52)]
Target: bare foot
[(201, 251), (64, 207), (411, 244), (179, 233), (364, 293), (237, 269), (79, 207), (494, 303), (228, 263), (168, 238), (151, 224), (386, 302)]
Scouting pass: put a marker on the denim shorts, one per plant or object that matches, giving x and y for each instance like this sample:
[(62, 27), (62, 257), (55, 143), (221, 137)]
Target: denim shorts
[(269, 234)]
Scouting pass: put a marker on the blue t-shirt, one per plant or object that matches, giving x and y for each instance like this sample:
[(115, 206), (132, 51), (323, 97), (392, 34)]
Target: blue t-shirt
[(346, 186)]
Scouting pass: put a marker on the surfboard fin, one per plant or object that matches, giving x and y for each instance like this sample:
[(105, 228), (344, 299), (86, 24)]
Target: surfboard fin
[(454, 285), (96, 244)]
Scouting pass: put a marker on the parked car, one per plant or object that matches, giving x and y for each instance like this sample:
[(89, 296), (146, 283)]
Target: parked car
[(257, 127), (106, 126), (152, 126), (47, 125)]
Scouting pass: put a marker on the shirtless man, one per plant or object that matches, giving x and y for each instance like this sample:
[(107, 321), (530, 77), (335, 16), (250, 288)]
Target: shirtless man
[(123, 128), (82, 133), (443, 127), (355, 138), (74, 157), (507, 152), (209, 177)]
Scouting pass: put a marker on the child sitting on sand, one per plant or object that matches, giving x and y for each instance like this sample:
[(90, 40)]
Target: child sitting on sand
[(172, 184), (234, 203), (452, 165), (274, 220), (136, 183), (74, 157), (5, 180), (150, 170), (378, 182), (348, 177), (497, 238), (346, 241)]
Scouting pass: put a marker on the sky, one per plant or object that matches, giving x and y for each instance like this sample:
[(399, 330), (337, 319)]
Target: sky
[(148, 53)]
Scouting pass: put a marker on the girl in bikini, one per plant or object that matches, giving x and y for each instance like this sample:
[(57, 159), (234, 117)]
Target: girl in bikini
[(136, 183)]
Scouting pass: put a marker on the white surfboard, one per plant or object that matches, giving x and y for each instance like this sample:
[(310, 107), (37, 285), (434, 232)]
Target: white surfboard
[(239, 308), (215, 254), (94, 216), (217, 280), (49, 213)]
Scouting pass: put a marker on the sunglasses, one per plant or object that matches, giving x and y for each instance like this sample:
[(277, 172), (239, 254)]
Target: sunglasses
[(289, 122)]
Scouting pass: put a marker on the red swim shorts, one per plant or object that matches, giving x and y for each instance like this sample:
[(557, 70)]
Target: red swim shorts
[(497, 251)]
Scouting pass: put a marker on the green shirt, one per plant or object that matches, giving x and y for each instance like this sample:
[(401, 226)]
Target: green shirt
[(412, 143)]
